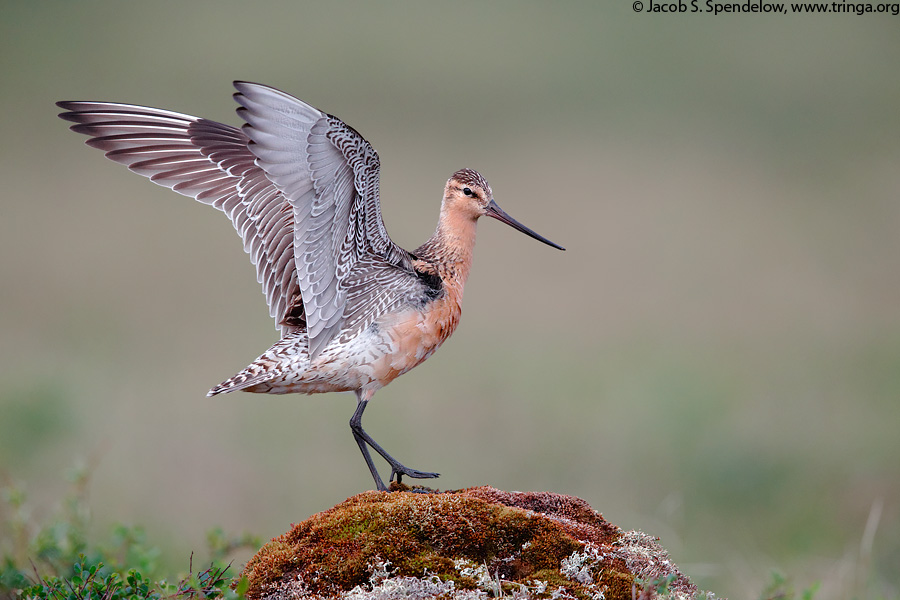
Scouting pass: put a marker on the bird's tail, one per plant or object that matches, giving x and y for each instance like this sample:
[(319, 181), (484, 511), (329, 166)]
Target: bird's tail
[(247, 378), (263, 373)]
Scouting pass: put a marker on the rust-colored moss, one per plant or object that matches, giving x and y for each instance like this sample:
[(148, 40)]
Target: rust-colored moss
[(617, 585), (519, 537)]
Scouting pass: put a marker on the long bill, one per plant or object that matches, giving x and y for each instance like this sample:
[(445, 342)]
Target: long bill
[(493, 210)]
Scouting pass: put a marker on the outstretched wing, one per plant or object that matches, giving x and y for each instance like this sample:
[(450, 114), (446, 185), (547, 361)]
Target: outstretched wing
[(210, 162), (348, 269)]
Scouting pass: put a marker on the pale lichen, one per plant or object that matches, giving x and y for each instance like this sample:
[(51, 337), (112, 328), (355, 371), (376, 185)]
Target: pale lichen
[(585, 567), (467, 545)]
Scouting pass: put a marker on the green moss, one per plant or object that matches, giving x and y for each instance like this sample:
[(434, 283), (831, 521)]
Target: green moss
[(429, 534), (617, 585)]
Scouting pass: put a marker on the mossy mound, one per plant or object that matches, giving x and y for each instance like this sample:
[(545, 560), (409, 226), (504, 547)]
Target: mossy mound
[(472, 543)]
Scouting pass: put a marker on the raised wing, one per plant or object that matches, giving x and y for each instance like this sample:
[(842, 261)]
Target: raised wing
[(210, 162), (348, 269)]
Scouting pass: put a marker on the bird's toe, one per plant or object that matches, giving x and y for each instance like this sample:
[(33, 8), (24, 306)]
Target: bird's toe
[(400, 471)]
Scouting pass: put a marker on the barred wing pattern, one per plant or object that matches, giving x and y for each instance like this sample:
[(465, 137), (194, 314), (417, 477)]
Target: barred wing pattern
[(210, 162), (300, 187), (349, 270)]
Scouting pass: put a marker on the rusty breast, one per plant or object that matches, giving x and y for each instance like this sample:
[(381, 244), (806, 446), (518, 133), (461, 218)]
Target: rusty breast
[(412, 335)]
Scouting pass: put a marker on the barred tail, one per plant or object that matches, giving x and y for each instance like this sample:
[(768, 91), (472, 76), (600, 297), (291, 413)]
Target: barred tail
[(243, 380), (270, 369)]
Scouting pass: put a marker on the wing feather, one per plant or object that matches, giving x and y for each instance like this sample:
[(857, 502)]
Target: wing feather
[(329, 175), (210, 162), (300, 187)]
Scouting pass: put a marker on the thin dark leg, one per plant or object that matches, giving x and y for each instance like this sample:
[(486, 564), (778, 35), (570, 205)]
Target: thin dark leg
[(365, 452), (362, 438)]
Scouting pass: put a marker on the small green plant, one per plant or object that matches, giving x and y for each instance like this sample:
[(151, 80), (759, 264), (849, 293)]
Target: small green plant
[(780, 588), (213, 582), (91, 581), (56, 560), (646, 590)]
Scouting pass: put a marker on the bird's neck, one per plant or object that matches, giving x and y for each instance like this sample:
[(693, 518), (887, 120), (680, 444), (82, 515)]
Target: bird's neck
[(451, 246)]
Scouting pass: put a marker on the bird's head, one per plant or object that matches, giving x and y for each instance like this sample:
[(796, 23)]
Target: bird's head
[(469, 194)]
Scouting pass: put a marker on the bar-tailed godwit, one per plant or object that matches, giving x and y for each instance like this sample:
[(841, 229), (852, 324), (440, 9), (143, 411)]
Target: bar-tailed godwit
[(301, 187)]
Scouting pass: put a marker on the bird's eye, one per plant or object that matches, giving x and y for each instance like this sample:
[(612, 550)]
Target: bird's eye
[(468, 192)]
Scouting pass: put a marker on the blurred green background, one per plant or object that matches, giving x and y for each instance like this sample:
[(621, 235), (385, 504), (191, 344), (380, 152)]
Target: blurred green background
[(715, 360)]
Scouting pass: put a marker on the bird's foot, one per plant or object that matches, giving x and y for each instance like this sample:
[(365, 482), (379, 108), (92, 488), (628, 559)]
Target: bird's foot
[(400, 470)]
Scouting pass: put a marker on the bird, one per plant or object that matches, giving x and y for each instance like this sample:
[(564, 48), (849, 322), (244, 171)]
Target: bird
[(301, 187)]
